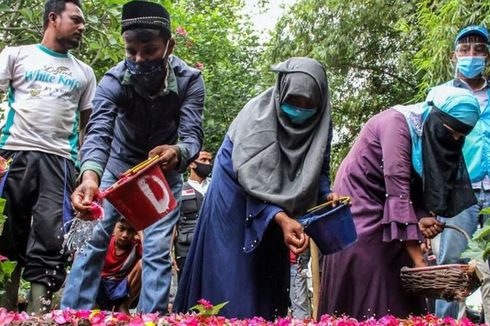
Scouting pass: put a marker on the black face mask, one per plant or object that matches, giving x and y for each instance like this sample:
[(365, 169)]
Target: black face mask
[(148, 73), (203, 170)]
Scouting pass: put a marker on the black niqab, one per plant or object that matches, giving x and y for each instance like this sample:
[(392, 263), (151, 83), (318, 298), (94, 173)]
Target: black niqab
[(447, 188)]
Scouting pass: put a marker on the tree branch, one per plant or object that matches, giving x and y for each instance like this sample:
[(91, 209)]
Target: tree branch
[(8, 12), (400, 79)]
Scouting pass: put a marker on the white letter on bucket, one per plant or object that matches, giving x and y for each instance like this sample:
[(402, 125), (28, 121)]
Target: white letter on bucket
[(161, 205)]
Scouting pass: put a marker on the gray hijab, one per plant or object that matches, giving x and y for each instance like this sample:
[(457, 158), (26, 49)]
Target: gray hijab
[(275, 160)]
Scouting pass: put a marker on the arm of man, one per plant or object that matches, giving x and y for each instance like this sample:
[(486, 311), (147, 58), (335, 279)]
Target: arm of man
[(84, 117), (86, 105), (100, 127), (190, 130), (7, 60)]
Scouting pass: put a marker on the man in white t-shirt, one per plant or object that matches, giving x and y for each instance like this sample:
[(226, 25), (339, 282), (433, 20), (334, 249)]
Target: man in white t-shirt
[(49, 96)]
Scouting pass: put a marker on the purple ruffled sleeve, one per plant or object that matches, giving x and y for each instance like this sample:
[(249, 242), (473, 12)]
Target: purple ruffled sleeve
[(400, 221)]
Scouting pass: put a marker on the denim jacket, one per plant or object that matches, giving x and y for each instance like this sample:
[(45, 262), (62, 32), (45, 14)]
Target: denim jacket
[(126, 124)]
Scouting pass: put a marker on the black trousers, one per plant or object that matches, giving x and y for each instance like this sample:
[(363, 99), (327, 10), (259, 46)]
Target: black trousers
[(37, 188)]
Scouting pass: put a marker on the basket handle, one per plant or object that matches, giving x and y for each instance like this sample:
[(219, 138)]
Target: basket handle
[(460, 230), (342, 200)]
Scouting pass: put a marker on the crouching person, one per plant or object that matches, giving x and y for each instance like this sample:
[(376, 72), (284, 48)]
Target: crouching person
[(121, 277)]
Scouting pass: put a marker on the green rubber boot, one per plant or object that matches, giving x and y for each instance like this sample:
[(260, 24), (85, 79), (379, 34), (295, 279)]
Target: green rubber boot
[(9, 299), (39, 299)]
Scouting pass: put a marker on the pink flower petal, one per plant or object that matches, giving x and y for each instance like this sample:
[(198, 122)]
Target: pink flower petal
[(205, 303), (96, 210)]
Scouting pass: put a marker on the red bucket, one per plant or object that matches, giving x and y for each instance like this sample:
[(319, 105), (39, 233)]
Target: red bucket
[(142, 194)]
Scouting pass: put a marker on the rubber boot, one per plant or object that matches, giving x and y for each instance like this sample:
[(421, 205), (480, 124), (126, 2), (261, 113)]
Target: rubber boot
[(39, 299), (9, 299)]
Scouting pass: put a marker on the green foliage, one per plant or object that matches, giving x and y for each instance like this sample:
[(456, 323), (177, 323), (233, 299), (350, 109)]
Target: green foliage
[(206, 309), (218, 38), (6, 267), (3, 218), (479, 245)]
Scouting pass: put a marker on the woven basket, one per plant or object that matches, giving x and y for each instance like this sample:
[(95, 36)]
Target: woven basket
[(449, 282)]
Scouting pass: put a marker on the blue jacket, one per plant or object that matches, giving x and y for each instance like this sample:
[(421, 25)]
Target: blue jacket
[(476, 148), (126, 123)]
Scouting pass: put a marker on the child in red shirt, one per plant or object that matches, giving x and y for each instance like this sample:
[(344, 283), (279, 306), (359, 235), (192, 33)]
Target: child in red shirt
[(121, 276)]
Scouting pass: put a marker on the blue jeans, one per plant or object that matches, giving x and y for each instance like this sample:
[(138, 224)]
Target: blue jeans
[(83, 282), (298, 293), (453, 243)]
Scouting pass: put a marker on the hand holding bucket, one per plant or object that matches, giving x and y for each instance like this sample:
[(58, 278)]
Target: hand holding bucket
[(141, 195), (332, 228)]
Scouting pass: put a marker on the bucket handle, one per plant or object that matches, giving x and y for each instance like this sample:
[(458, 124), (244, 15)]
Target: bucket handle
[(140, 166), (460, 230), (123, 176), (342, 200)]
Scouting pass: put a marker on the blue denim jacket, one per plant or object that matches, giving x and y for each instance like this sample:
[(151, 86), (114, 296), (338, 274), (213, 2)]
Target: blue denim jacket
[(476, 148), (126, 123)]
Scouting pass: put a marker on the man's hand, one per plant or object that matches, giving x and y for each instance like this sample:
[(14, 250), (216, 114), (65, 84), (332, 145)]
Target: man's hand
[(169, 156), (294, 236), (430, 227), (85, 193)]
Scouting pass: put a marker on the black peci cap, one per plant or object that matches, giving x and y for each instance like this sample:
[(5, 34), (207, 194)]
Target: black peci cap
[(144, 14)]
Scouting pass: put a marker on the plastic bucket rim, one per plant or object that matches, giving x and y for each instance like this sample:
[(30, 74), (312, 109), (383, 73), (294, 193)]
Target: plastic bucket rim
[(127, 177), (342, 222), (311, 217)]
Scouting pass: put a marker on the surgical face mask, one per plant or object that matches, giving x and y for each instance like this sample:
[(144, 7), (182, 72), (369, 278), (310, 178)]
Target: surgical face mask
[(470, 67), (147, 73), (203, 170), (296, 114)]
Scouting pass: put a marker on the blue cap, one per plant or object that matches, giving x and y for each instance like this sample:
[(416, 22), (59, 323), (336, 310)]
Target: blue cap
[(472, 30)]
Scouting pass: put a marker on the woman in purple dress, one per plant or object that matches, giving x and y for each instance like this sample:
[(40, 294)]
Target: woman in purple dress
[(405, 165)]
